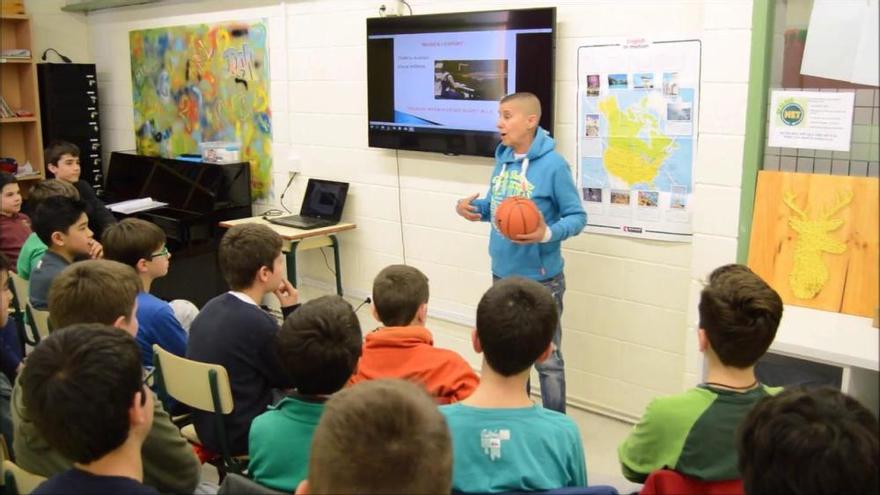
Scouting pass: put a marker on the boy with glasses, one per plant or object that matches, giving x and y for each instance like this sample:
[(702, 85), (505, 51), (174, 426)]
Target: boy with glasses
[(141, 245)]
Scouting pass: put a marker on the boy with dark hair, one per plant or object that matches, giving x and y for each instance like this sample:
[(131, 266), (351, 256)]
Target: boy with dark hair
[(404, 348), (15, 226), (62, 224), (103, 291), (233, 331), (33, 249), (141, 245), (62, 160), (319, 346), (380, 437), (85, 393), (809, 440), (499, 433), (694, 432)]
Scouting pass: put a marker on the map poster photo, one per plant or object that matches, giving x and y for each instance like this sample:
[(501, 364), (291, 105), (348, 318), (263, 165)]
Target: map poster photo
[(637, 135)]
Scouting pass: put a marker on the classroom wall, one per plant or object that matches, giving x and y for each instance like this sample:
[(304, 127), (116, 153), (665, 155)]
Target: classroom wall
[(630, 314)]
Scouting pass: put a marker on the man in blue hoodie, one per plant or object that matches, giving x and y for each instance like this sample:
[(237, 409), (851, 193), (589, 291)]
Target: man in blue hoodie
[(527, 165)]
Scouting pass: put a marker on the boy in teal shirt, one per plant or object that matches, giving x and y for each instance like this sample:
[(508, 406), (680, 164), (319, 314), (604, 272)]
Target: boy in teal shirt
[(319, 346), (501, 440), (694, 432)]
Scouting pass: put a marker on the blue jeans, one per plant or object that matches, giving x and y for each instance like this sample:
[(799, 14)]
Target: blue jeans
[(551, 372)]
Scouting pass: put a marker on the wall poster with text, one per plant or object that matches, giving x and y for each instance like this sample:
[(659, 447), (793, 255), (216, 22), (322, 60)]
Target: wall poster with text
[(638, 105)]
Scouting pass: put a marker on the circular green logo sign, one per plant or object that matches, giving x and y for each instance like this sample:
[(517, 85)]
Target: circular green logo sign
[(792, 114)]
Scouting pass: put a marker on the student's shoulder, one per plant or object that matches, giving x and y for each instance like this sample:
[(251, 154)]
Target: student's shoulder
[(687, 402), (556, 420)]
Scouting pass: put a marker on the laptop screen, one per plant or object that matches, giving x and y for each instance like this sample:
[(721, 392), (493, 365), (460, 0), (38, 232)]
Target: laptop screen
[(324, 199)]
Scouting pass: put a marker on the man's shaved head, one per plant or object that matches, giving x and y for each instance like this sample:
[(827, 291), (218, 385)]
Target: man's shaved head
[(527, 102)]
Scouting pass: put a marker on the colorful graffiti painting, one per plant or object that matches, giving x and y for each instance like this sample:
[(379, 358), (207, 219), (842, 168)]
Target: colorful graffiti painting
[(200, 83)]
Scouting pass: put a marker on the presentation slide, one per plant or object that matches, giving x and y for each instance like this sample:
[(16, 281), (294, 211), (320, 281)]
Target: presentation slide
[(453, 80)]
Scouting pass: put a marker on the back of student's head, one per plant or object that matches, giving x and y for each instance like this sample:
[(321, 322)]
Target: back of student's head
[(398, 292), (319, 345), (740, 314), (56, 214), (131, 240), (93, 291), (78, 386), (516, 319), (51, 187), (381, 436), (809, 440), (245, 249), (57, 149)]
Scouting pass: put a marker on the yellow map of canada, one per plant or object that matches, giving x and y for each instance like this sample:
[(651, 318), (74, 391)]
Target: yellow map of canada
[(636, 148)]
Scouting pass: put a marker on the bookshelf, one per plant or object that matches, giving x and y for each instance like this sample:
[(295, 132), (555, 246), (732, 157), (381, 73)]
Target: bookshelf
[(20, 135)]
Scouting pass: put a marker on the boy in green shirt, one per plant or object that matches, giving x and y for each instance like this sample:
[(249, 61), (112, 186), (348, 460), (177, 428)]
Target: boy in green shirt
[(501, 440), (694, 432), (319, 346)]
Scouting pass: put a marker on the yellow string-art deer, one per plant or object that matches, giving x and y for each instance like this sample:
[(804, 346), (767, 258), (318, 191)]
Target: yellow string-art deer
[(809, 273)]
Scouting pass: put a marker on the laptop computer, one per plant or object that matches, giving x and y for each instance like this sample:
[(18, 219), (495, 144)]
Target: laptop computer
[(321, 206)]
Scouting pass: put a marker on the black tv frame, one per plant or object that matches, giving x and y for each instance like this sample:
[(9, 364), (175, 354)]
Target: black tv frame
[(455, 142)]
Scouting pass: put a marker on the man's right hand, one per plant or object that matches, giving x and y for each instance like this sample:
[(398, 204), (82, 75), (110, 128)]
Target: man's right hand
[(466, 210)]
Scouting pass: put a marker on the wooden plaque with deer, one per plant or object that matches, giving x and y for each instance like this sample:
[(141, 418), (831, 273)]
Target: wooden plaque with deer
[(815, 238)]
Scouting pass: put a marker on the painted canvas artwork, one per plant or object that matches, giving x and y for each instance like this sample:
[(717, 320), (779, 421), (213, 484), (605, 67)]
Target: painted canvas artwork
[(204, 83)]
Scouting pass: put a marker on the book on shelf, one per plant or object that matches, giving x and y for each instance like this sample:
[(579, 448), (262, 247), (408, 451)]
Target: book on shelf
[(6, 111), (15, 53)]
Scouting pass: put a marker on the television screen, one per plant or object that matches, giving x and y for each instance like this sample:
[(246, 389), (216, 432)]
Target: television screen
[(434, 81)]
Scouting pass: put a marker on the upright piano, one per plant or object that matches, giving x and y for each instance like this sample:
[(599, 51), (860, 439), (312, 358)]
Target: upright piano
[(199, 196)]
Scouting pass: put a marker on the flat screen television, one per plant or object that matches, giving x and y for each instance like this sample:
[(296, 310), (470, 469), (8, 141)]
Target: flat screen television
[(434, 81)]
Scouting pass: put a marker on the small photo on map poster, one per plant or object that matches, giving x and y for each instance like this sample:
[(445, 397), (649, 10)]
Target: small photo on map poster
[(637, 138)]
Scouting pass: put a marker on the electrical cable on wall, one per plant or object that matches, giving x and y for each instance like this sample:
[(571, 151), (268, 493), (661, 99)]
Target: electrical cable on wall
[(400, 206)]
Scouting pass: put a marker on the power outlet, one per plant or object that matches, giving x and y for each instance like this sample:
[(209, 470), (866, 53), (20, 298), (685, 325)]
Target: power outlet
[(391, 8), (294, 165)]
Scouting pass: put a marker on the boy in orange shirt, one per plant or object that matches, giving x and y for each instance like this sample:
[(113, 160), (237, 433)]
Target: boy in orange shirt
[(403, 347)]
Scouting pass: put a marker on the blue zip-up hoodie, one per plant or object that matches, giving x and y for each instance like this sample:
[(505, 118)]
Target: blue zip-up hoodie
[(549, 184)]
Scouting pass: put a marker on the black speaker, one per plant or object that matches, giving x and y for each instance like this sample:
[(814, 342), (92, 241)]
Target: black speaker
[(69, 112)]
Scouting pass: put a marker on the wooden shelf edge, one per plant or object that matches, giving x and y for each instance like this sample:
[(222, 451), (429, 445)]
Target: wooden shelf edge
[(18, 120), (6, 60), (28, 177), (14, 17)]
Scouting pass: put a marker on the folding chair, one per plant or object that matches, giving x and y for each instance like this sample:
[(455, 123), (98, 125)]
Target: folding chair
[(200, 386)]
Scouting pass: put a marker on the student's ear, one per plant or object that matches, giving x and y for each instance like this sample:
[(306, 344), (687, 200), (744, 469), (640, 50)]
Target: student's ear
[(375, 313), (533, 121), (123, 323), (138, 416), (475, 341), (544, 355), (302, 488), (57, 238), (702, 340), (141, 265), (52, 168), (422, 313)]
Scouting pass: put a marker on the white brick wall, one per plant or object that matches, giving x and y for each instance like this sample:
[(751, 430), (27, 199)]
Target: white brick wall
[(630, 313)]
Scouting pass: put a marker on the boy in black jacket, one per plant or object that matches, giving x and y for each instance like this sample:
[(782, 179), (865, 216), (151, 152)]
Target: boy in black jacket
[(232, 330), (62, 159)]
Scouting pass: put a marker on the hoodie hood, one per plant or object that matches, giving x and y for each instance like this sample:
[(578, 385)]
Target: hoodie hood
[(542, 145)]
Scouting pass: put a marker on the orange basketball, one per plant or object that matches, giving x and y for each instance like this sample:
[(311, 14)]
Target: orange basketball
[(517, 215)]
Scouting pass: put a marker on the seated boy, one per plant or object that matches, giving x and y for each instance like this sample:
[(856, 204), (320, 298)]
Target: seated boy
[(233, 331), (62, 160), (84, 390), (103, 291), (141, 245), (62, 224), (15, 226), (404, 348), (501, 440), (33, 249), (380, 437), (694, 432), (319, 345), (809, 440)]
